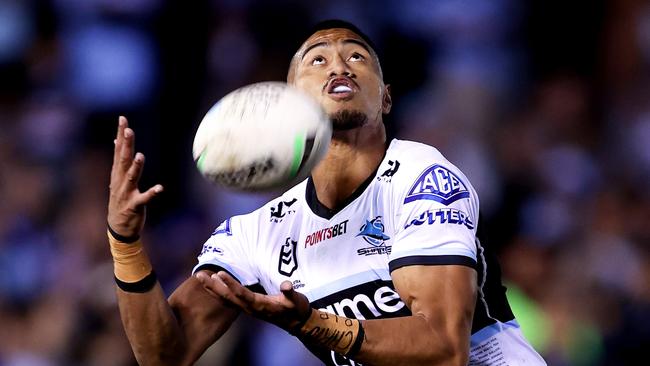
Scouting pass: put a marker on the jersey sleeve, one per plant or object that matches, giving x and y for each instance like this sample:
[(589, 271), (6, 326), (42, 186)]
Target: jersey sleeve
[(226, 249), (436, 221)]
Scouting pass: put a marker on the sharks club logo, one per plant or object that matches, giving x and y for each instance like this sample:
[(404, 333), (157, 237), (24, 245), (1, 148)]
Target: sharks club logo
[(373, 233)]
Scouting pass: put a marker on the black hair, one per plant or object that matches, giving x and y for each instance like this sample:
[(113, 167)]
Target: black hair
[(338, 23), (331, 24)]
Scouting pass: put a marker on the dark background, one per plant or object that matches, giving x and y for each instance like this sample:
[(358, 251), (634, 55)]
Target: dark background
[(543, 104)]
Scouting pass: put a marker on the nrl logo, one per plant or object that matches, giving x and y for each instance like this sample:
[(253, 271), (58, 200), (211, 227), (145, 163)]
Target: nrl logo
[(288, 262)]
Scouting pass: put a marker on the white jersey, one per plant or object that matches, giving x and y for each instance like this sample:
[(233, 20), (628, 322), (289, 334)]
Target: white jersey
[(417, 209)]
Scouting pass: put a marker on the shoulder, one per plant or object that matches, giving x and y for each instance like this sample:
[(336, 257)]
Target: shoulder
[(426, 173), (416, 155)]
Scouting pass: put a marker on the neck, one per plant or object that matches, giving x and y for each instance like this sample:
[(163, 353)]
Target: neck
[(352, 156)]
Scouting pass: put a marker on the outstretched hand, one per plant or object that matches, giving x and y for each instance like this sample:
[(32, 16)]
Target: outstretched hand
[(286, 310), (126, 204)]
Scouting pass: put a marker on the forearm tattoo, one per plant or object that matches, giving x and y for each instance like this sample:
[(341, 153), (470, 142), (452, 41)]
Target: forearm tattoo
[(342, 335)]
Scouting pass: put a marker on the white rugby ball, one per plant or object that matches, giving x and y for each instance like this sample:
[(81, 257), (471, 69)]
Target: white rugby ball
[(262, 136)]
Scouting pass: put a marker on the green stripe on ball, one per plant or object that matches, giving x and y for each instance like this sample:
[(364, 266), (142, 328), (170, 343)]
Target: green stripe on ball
[(298, 151), (201, 160)]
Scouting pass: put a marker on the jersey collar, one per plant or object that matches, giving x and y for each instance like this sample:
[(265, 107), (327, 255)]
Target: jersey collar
[(323, 211)]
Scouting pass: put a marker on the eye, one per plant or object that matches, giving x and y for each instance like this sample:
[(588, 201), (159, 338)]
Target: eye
[(318, 60), (356, 57)]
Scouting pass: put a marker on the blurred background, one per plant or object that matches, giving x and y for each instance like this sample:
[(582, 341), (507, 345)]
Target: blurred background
[(545, 105)]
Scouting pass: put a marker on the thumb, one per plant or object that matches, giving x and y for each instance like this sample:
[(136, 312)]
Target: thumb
[(286, 288), (297, 299), (145, 197)]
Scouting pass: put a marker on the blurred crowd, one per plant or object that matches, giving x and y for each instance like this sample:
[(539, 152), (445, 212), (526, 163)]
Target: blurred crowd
[(545, 105)]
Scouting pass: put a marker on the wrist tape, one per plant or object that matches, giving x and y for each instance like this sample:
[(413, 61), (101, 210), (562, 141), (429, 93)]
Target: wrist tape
[(343, 335), (131, 265)]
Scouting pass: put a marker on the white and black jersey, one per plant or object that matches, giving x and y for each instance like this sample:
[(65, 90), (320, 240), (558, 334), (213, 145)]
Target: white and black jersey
[(417, 209)]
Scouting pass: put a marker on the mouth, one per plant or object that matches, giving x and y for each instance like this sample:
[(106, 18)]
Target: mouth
[(341, 88)]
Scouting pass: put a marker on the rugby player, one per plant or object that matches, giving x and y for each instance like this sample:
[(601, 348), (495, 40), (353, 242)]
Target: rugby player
[(375, 259)]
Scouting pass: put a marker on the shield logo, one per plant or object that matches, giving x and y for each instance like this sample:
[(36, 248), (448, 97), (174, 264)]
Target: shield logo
[(288, 262)]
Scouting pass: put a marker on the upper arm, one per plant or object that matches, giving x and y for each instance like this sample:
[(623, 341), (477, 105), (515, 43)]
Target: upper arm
[(434, 254), (202, 317), (444, 295)]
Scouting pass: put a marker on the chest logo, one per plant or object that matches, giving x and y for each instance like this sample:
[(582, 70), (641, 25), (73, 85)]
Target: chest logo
[(281, 210), (439, 184), (288, 262), (327, 233), (373, 232)]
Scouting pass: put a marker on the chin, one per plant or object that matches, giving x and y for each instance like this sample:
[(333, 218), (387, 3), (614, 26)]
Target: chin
[(348, 119)]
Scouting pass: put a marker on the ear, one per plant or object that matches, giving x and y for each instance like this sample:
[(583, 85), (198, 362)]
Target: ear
[(387, 101)]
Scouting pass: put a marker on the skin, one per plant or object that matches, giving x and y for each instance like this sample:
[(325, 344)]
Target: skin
[(177, 330)]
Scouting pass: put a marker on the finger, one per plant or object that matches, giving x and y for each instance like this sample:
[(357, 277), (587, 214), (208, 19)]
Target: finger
[(299, 302), (214, 284), (215, 287), (236, 287), (238, 294), (246, 299), (135, 171), (287, 290), (145, 197), (201, 276), (286, 286), (204, 278), (227, 279), (121, 125), (126, 153)]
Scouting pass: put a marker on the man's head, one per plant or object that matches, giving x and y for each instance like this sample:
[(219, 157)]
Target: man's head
[(338, 66)]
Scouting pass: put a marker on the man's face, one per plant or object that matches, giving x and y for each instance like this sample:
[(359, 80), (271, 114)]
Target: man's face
[(336, 67)]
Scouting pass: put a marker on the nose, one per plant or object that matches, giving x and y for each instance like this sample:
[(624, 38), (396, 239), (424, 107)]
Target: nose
[(338, 66)]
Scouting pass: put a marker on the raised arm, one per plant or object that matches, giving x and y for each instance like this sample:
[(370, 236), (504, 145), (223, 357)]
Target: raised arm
[(441, 298), (161, 332)]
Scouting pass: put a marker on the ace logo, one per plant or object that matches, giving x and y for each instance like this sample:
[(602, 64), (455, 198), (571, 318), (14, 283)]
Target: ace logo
[(439, 184), (288, 262)]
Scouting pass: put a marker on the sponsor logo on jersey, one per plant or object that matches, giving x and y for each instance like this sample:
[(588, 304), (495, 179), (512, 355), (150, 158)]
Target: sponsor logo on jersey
[(439, 184), (371, 300), (327, 233), (209, 248), (442, 216), (297, 284), (373, 233), (288, 261), (223, 228), (281, 210), (387, 175)]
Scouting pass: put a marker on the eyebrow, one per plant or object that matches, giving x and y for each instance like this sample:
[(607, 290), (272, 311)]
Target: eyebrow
[(323, 44)]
